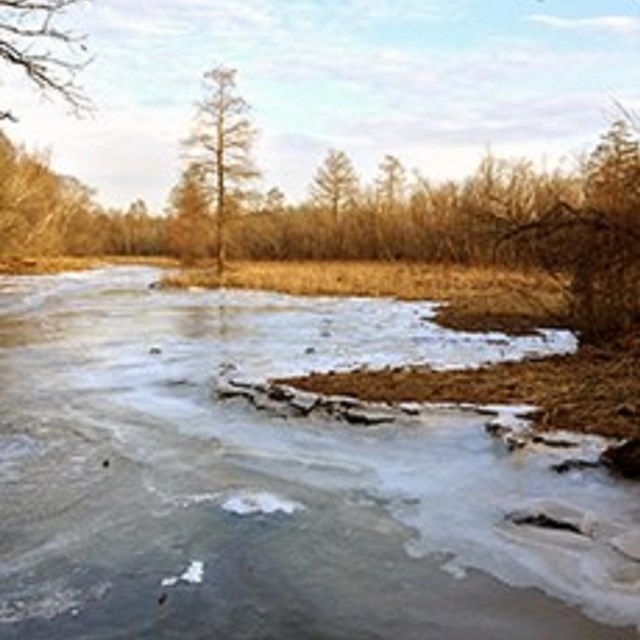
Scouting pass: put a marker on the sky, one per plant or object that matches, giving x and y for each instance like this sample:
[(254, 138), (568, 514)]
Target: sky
[(436, 83)]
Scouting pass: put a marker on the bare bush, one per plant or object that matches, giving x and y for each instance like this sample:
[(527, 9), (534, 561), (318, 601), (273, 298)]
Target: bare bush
[(596, 244)]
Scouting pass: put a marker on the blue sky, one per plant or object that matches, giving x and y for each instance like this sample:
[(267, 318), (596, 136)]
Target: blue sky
[(435, 82)]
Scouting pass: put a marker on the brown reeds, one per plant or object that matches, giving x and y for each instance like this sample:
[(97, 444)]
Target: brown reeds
[(476, 298)]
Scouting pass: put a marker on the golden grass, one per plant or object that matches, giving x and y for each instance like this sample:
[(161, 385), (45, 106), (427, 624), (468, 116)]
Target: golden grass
[(479, 298), (42, 266), (20, 265)]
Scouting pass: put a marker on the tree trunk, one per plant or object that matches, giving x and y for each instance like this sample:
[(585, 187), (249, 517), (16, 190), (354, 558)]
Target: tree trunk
[(221, 213)]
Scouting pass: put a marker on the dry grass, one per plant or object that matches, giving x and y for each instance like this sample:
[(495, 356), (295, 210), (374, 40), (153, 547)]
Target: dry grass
[(49, 265), (479, 299), (42, 266)]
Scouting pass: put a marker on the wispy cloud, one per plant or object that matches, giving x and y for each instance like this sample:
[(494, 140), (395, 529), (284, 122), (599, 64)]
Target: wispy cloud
[(628, 26), (409, 77)]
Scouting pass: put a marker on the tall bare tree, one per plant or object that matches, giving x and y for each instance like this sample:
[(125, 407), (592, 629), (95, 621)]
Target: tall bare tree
[(335, 185), (221, 146), (391, 183), (49, 56)]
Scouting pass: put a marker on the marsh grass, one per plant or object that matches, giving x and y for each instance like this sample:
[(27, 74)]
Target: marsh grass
[(474, 298), (19, 265)]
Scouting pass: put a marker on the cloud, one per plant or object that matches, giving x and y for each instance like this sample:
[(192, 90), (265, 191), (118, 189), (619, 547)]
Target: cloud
[(627, 26), (125, 153), (499, 121), (323, 73)]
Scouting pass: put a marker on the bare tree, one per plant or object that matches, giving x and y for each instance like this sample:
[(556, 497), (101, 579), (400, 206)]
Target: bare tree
[(49, 56), (596, 244), (274, 201), (221, 146), (335, 185), (391, 183)]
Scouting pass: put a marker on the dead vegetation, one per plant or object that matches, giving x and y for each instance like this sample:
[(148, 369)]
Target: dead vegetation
[(474, 298), (596, 390), (19, 265), (595, 244)]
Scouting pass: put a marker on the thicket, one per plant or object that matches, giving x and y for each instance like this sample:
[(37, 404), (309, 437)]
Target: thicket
[(43, 213), (595, 241)]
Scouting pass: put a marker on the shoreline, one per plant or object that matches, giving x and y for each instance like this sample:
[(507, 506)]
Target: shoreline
[(595, 390), (592, 391), (36, 266), (471, 298)]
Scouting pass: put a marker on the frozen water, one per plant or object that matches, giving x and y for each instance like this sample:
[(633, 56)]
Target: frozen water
[(250, 503), (119, 461)]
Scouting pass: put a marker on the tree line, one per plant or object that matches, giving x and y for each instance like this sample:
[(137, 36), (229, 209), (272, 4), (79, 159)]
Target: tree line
[(43, 213)]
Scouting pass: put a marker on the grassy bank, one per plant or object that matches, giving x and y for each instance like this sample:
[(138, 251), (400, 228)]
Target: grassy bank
[(475, 298), (593, 391), (50, 265)]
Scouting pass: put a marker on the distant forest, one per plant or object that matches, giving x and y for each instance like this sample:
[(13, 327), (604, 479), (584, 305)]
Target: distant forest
[(398, 217)]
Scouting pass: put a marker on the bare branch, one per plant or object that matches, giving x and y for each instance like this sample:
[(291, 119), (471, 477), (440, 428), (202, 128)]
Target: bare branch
[(49, 57)]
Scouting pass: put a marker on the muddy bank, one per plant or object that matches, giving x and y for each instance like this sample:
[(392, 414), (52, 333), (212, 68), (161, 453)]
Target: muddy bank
[(593, 391)]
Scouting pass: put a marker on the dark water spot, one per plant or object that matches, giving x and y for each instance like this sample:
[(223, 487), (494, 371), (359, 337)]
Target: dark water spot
[(574, 464), (543, 521)]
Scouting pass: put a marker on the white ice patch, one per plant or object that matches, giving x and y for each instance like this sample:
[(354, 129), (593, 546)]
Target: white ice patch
[(510, 416), (199, 499), (193, 574), (250, 503), (454, 569)]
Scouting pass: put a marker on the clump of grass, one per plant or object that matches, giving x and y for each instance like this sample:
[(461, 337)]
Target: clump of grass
[(42, 266)]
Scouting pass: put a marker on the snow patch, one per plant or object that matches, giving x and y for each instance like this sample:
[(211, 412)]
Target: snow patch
[(193, 574), (250, 503)]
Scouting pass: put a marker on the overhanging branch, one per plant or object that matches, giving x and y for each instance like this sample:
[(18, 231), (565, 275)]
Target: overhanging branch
[(49, 57)]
